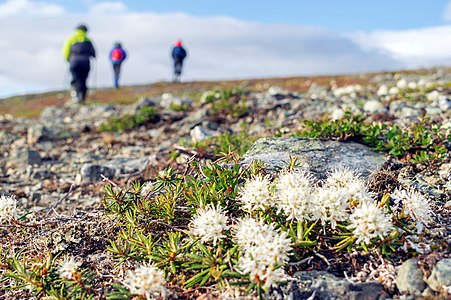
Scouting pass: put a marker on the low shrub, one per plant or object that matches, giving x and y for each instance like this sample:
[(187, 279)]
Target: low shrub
[(118, 124), (421, 141)]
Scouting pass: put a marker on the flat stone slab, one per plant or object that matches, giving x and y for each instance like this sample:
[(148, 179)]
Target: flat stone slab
[(115, 168), (323, 285), (315, 156)]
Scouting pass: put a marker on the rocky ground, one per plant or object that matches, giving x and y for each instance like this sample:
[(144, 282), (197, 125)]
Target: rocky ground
[(53, 164)]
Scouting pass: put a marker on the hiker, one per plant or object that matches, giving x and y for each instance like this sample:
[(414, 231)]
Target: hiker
[(178, 55), (78, 50), (117, 56)]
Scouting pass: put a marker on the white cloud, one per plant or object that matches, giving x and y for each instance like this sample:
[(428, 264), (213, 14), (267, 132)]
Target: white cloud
[(414, 48), (218, 47), (28, 7)]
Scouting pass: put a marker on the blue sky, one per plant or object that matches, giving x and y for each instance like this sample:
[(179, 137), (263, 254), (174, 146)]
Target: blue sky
[(227, 39), (346, 15)]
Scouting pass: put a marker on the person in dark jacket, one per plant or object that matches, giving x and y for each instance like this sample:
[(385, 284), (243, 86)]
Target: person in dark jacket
[(178, 55), (117, 56), (78, 51)]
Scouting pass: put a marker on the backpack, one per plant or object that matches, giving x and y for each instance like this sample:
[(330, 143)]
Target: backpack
[(117, 55), (179, 53)]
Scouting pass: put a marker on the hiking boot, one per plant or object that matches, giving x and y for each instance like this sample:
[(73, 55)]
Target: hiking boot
[(76, 97)]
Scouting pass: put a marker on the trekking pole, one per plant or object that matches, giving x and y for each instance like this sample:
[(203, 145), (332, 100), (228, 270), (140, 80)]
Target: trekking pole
[(67, 88), (94, 89), (65, 79)]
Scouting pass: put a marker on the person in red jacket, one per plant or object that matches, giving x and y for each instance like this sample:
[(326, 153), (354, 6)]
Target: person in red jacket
[(117, 57), (178, 55)]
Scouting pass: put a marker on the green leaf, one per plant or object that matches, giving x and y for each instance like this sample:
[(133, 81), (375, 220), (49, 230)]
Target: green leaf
[(205, 279), (196, 279)]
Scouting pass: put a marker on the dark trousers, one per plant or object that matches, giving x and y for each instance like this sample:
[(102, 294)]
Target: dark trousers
[(117, 73), (80, 71), (178, 64)]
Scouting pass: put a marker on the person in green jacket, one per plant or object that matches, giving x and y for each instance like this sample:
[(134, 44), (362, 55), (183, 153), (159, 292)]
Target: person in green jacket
[(78, 51)]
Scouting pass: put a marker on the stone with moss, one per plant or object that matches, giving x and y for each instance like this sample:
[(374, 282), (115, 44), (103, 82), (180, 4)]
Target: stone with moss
[(316, 156)]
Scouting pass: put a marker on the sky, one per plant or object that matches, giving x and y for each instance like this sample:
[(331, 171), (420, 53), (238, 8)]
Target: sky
[(231, 39)]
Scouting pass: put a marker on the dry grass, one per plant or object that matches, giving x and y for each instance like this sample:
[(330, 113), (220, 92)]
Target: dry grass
[(30, 106)]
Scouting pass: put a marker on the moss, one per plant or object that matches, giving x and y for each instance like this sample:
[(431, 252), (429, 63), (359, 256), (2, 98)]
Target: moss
[(118, 124)]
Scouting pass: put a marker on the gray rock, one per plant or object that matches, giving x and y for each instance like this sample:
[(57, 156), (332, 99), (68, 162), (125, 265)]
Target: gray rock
[(185, 101), (168, 100), (445, 171), (420, 183), (23, 202), (320, 285), (211, 125), (382, 91), (337, 113), (155, 133), (200, 133), (127, 165), (21, 158), (315, 109), (428, 293), (141, 103), (410, 112), (441, 275), (95, 113), (396, 106), (7, 138), (279, 93), (41, 174), (318, 157), (35, 133), (373, 106), (38, 133), (317, 90), (197, 117), (144, 102), (445, 104), (51, 113), (410, 278), (35, 196), (115, 168), (136, 151), (275, 90), (92, 172), (432, 110)]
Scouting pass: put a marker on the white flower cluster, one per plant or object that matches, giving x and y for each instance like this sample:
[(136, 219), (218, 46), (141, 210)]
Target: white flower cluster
[(8, 208), (413, 205), (265, 251), (209, 224), (146, 280), (342, 195), (368, 222), (349, 184), (293, 196), (332, 205), (68, 268), (256, 195), (299, 199)]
